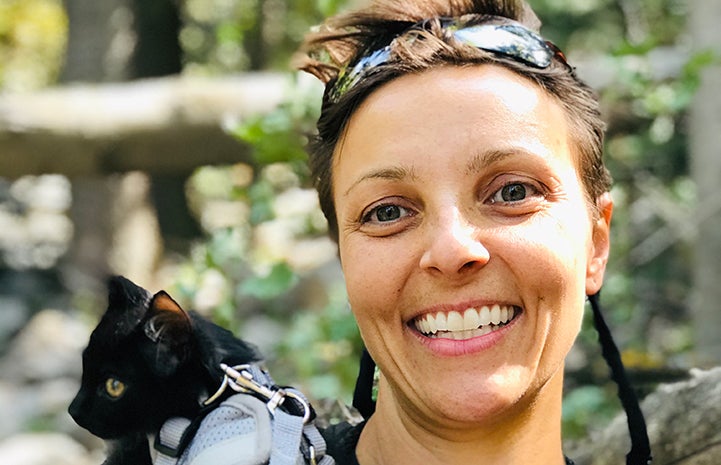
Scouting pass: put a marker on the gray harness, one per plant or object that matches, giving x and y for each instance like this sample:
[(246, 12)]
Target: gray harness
[(260, 425)]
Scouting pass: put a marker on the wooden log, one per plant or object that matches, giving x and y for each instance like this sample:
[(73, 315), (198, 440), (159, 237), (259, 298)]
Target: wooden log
[(166, 125), (684, 426)]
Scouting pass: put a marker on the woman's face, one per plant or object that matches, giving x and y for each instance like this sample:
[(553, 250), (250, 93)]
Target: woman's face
[(466, 240)]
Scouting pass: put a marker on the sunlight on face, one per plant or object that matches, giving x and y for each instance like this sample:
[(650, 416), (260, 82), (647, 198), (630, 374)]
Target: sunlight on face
[(465, 238)]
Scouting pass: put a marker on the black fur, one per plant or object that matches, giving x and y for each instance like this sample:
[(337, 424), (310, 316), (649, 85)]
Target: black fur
[(166, 359)]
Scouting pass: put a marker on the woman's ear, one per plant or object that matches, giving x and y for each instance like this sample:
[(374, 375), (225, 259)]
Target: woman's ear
[(600, 246)]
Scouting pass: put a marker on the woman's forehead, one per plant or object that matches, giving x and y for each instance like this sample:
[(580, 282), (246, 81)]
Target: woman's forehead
[(449, 102), (447, 106)]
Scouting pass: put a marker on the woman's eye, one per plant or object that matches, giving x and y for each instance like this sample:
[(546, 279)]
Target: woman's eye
[(514, 192), (385, 214), (114, 388), (388, 213)]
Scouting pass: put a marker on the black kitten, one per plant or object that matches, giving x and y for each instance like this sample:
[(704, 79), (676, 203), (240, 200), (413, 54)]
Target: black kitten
[(149, 360)]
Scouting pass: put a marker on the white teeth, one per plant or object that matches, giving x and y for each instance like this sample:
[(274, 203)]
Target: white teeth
[(495, 314), (441, 322), (485, 316), (471, 319), (432, 328), (470, 323), (422, 325), (454, 322)]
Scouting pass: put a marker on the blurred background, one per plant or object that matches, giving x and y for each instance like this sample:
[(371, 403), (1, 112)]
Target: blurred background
[(163, 140)]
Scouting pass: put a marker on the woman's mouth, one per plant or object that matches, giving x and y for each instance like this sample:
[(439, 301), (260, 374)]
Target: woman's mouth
[(468, 324)]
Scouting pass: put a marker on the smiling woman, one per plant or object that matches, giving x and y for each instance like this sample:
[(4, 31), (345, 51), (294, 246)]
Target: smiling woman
[(461, 242), (458, 162)]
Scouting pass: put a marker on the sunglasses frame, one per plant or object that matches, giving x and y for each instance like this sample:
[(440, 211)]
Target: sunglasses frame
[(497, 35)]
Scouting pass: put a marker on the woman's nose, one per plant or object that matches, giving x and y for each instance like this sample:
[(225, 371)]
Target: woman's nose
[(454, 246)]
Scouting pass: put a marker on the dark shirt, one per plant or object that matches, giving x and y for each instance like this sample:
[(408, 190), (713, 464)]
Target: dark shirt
[(342, 440)]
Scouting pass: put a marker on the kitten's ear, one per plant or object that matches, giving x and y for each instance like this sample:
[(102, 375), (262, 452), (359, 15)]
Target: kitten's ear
[(123, 292), (162, 302), (168, 326), (128, 302)]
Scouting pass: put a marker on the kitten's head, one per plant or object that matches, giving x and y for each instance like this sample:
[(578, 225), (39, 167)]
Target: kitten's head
[(135, 363)]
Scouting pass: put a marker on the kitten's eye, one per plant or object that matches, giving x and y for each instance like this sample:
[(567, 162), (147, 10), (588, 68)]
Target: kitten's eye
[(114, 387)]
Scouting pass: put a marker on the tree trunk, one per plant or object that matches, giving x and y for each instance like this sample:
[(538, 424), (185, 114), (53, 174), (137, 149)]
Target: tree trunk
[(684, 426), (100, 40), (117, 40), (157, 26), (705, 140)]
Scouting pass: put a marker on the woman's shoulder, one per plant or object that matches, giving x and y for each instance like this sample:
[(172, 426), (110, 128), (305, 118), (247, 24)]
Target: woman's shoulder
[(341, 441)]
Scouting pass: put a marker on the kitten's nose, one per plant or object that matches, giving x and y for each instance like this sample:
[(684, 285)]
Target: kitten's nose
[(75, 409)]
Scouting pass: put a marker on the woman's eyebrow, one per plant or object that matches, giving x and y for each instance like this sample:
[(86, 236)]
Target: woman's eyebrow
[(394, 173), (487, 158)]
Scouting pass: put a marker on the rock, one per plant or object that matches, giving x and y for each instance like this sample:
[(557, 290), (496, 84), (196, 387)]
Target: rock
[(49, 347), (37, 405), (684, 426), (14, 315), (44, 449)]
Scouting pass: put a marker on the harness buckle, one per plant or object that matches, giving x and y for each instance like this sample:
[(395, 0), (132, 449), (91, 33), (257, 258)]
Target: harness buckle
[(240, 379)]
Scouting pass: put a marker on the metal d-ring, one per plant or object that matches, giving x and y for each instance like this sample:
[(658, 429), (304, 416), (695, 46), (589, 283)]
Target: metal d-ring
[(218, 393), (303, 403), (240, 379)]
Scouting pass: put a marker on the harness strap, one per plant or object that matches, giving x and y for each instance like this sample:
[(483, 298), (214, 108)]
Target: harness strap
[(314, 438), (294, 439), (171, 440), (287, 434)]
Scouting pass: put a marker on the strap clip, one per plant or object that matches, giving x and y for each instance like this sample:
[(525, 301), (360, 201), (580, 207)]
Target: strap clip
[(240, 379)]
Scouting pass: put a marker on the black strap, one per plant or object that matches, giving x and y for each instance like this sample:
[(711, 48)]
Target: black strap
[(363, 393), (640, 453)]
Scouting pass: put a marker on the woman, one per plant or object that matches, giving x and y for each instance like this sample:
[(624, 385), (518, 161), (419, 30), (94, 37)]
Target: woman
[(458, 162)]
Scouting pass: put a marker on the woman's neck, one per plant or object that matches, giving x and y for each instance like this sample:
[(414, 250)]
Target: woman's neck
[(530, 437)]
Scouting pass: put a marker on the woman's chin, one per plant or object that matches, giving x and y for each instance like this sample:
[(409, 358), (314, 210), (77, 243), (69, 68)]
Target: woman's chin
[(465, 400)]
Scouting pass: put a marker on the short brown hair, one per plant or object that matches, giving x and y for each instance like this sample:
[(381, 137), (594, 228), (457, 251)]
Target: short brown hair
[(342, 40)]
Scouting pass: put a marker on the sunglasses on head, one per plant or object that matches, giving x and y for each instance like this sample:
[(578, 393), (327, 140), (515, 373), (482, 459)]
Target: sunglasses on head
[(497, 35)]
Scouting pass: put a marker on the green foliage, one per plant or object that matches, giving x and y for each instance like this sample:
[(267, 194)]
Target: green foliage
[(584, 406), (323, 348), (281, 135), (221, 36), (33, 34), (278, 281), (253, 265)]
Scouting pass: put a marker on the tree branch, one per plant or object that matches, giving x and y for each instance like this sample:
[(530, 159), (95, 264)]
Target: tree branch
[(158, 125)]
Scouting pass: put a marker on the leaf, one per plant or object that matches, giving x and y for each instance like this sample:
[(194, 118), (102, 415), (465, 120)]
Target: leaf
[(275, 137), (261, 202), (280, 279), (691, 75)]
